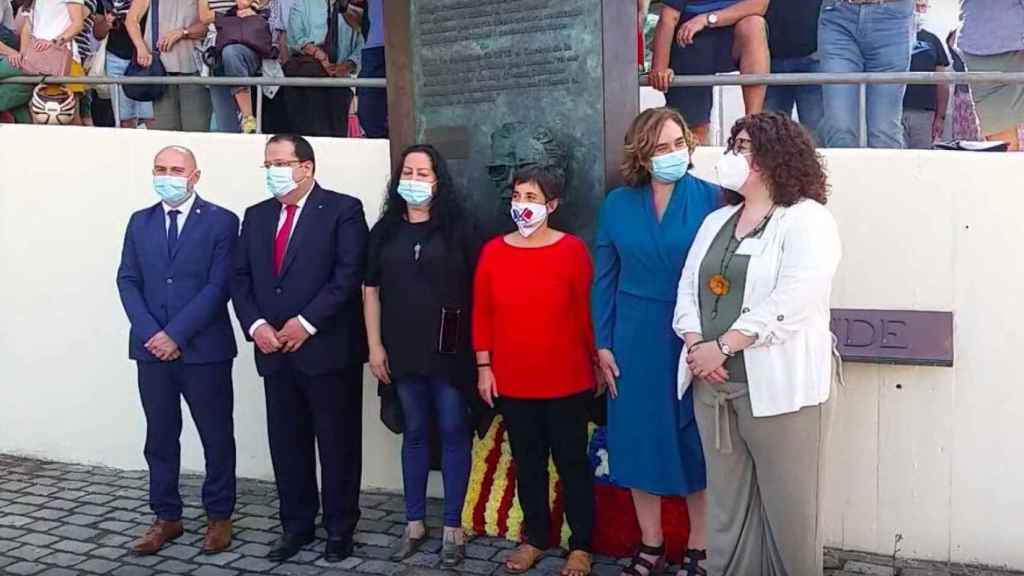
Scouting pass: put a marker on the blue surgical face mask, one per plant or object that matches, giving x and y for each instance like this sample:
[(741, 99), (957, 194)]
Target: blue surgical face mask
[(280, 181), (171, 189), (416, 193), (672, 166)]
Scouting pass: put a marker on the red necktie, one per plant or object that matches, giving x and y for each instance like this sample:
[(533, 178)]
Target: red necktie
[(281, 241)]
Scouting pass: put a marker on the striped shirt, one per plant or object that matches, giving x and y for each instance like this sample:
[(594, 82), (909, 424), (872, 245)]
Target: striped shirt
[(694, 7), (84, 39), (221, 6)]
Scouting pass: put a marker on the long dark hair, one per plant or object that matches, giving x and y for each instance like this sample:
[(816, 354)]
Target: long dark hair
[(447, 212)]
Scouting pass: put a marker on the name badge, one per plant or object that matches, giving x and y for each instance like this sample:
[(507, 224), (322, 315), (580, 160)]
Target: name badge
[(751, 247)]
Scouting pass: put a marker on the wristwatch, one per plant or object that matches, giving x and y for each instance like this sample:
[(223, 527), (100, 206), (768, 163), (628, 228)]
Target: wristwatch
[(725, 348), (712, 19)]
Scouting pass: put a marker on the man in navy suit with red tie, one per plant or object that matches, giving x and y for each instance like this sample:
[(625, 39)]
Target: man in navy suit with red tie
[(174, 280), (297, 294)]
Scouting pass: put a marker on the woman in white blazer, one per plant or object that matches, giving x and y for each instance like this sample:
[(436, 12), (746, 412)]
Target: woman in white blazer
[(753, 311)]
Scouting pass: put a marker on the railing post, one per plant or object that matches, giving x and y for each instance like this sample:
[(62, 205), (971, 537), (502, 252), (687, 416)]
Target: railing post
[(721, 115), (259, 109), (115, 101), (862, 114)]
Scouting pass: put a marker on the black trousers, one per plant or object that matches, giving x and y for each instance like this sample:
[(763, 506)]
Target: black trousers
[(323, 413), (556, 428)]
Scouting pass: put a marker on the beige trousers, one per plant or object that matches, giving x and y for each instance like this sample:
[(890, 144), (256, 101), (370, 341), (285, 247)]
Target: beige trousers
[(765, 482)]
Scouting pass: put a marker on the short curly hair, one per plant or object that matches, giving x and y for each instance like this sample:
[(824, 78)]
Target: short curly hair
[(784, 152), (642, 139)]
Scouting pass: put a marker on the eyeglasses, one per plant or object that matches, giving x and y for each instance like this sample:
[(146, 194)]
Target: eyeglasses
[(741, 145), (280, 164)]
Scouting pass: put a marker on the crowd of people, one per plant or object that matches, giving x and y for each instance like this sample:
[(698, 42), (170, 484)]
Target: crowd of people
[(702, 312), (848, 36), (196, 38)]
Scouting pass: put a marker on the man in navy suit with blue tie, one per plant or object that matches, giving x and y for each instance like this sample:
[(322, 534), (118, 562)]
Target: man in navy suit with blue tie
[(297, 294), (174, 280)]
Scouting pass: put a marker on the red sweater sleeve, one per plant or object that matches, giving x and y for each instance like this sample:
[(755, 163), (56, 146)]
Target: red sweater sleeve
[(582, 280), (483, 307)]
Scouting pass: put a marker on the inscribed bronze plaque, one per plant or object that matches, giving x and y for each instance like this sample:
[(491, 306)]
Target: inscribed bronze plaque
[(894, 336)]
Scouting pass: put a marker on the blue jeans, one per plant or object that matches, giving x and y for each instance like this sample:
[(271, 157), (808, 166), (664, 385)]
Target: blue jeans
[(865, 38), (422, 397), (236, 61), (373, 102), (807, 99), (128, 109)]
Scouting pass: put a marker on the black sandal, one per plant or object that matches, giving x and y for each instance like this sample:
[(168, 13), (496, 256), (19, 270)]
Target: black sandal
[(652, 568), (692, 563)]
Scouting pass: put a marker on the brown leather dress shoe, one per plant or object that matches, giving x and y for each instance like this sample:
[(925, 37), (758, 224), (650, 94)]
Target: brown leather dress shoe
[(160, 533), (218, 536)]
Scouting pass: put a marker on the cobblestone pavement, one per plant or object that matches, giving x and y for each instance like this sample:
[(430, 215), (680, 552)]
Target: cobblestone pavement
[(64, 520)]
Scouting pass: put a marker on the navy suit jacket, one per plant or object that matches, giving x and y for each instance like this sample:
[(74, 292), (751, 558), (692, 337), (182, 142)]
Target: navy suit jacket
[(186, 293), (321, 280)]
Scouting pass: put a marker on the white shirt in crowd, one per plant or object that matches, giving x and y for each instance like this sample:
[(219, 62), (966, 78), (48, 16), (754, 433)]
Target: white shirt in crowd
[(785, 305), (50, 18), (185, 208), (295, 224)]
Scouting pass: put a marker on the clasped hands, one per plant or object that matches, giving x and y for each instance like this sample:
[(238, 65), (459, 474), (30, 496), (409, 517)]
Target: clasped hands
[(289, 338), (707, 362)]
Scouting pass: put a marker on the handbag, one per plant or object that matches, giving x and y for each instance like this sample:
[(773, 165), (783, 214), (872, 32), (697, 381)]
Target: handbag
[(253, 32), (54, 61), (98, 68), (148, 92), (390, 408)]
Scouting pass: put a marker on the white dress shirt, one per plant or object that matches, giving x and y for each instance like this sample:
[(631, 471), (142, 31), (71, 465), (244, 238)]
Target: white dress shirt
[(185, 208), (295, 224)]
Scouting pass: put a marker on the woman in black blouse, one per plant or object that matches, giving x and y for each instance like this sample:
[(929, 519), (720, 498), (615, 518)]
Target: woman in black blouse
[(419, 279)]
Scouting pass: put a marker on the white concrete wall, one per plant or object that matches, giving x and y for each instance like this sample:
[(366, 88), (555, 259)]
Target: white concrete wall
[(931, 454)]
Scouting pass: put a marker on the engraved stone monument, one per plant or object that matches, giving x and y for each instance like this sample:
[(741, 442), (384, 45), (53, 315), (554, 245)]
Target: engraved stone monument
[(499, 84)]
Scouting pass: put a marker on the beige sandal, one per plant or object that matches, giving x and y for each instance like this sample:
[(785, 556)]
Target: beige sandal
[(578, 564), (524, 558)]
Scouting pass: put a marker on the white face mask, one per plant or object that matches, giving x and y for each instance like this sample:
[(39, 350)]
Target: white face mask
[(528, 216), (733, 170)]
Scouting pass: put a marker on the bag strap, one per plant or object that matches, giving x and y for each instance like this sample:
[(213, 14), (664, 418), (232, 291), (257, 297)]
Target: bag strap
[(155, 26)]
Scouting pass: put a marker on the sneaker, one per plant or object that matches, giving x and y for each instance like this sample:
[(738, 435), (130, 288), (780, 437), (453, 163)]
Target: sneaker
[(249, 125)]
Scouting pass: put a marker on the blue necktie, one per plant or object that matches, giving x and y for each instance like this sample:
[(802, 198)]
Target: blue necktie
[(172, 231)]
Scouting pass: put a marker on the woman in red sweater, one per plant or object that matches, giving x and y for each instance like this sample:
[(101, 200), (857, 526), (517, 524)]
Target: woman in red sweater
[(535, 351)]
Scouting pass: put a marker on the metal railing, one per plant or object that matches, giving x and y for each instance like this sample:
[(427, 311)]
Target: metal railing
[(862, 80)]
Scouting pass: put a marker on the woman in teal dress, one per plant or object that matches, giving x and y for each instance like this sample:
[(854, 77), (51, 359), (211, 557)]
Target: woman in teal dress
[(643, 237)]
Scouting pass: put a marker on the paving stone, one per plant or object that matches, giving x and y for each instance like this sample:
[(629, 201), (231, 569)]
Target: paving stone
[(72, 546), (112, 539), (372, 514), (77, 533), (6, 545), (292, 569), (37, 539), (221, 559), (257, 523), (373, 539), (477, 567), (71, 484), (480, 551), (47, 514), (41, 490), (381, 567), (96, 498), (258, 510), (179, 551), (7, 533), (28, 552), (33, 500), (116, 526), (58, 572), (18, 508), (251, 564), (61, 504), (607, 569), (65, 559), (43, 525), (214, 571), (24, 568), (15, 521), (252, 549), (147, 561), (373, 552), (124, 503), (257, 536), (109, 552), (98, 566), (425, 559), (860, 567), (133, 571), (379, 526), (175, 567), (15, 486), (83, 519)]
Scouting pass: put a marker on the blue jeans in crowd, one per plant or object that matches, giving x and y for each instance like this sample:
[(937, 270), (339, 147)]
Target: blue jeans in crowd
[(423, 397), (807, 99), (236, 61), (865, 38), (373, 102)]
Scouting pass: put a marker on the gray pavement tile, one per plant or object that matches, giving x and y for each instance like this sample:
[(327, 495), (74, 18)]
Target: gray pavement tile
[(480, 551), (61, 504), (293, 569), (251, 564), (179, 551), (220, 559), (109, 552), (72, 546), (113, 539), (257, 536), (98, 566), (75, 533), (481, 567), (214, 571), (64, 559), (48, 514), (24, 568), (38, 539), (82, 519), (28, 552), (373, 539), (133, 571), (147, 561), (175, 567), (43, 525), (58, 572), (32, 500), (95, 499), (381, 568), (257, 523), (41, 490), (13, 520)]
